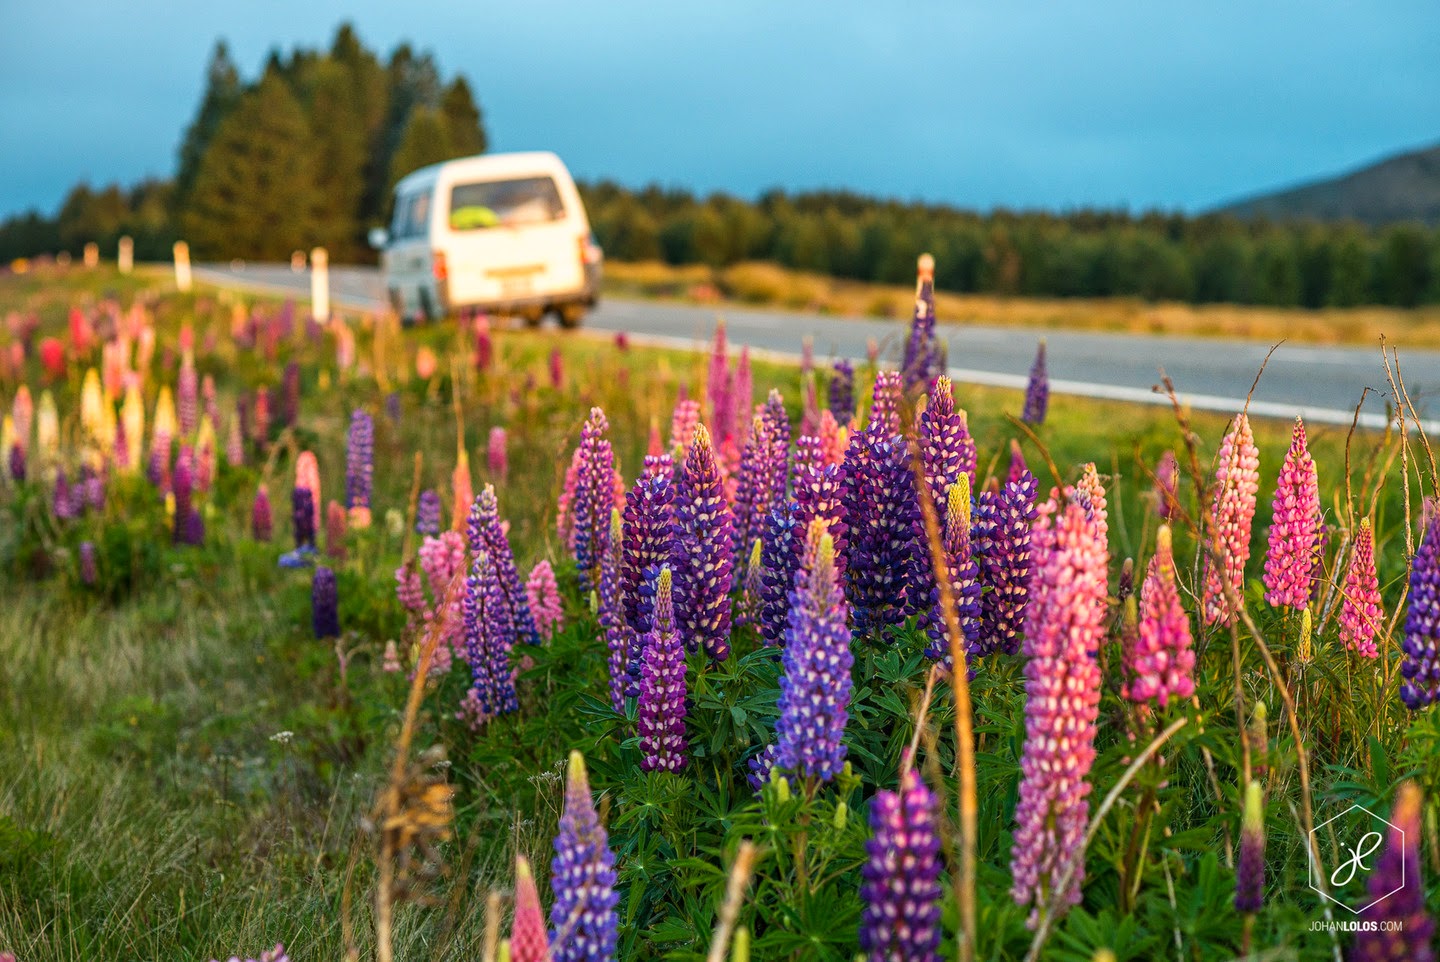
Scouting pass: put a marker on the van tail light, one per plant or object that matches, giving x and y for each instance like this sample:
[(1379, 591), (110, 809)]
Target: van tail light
[(589, 251), (442, 271)]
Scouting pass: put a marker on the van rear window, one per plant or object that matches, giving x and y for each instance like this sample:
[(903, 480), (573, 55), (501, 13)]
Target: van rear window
[(505, 203)]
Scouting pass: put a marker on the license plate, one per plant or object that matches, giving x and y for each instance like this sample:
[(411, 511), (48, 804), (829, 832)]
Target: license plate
[(515, 286)]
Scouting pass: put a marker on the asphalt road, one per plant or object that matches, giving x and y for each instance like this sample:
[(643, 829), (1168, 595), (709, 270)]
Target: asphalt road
[(1321, 383)]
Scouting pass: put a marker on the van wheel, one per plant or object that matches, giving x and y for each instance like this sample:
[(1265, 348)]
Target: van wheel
[(570, 315), (532, 319), (427, 309)]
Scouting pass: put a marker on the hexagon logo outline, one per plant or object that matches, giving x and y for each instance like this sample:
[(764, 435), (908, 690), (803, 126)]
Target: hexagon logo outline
[(1359, 852)]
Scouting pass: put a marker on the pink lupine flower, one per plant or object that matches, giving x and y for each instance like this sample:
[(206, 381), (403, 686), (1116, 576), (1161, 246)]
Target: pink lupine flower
[(462, 492), (1294, 527), (557, 368), (528, 939), (832, 439), (1237, 480), (307, 475), (471, 712), (1091, 492), (1161, 664), (564, 507), (655, 444), (544, 596), (1065, 624), (682, 428), (390, 662), (743, 401), (1360, 612), (497, 454)]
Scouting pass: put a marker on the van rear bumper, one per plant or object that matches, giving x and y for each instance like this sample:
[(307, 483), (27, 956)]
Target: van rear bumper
[(588, 295)]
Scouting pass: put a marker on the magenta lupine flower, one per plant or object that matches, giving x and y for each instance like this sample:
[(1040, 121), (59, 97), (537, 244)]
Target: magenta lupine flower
[(89, 566), (427, 513), (884, 563), (753, 479), (720, 383), (1401, 927), (487, 534), (707, 555), (1237, 480), (290, 395), (528, 940), (189, 526), (964, 573), (262, 523), (901, 887), (743, 401), (1017, 468), (484, 349), (1162, 663), (611, 612), (922, 358), (410, 591), (1064, 626), (1250, 869), (652, 540), (187, 397), (661, 720), (235, 441), (359, 461), (61, 504), (946, 448), (682, 427), (1420, 666), (1294, 527), (1037, 392), (1360, 611), (489, 638), (324, 605), (583, 923), (885, 404), (565, 505), (260, 416), (302, 517), (1167, 475), (780, 551), (497, 454), (594, 497), (815, 686), (842, 391), (543, 594)]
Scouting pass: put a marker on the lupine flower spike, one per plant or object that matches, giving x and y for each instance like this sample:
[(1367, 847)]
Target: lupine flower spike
[(1360, 611), (611, 611), (497, 454), (1420, 666), (487, 534), (1162, 663), (594, 497), (1037, 393), (662, 686), (543, 594), (528, 941), (489, 638), (1250, 870), (651, 541), (842, 391), (946, 448), (901, 887), (324, 605), (964, 575), (1401, 927), (707, 534), (922, 361), (1294, 527), (583, 922), (359, 468), (1237, 480)]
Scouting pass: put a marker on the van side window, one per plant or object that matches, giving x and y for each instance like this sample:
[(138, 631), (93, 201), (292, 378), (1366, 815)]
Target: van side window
[(505, 203), (412, 216)]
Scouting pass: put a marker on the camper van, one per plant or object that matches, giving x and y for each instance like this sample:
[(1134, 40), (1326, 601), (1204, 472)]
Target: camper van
[(501, 233)]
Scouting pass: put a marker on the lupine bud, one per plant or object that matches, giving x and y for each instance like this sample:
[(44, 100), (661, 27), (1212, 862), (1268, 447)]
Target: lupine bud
[(543, 594), (262, 521), (583, 923), (842, 391), (1257, 733), (1360, 611), (489, 638), (1304, 649), (359, 467), (1167, 474), (662, 686), (707, 536), (901, 887), (324, 605), (1161, 665), (1250, 870), (1294, 527), (497, 455), (1400, 927), (1237, 479), (427, 513), (1037, 392), (528, 942)]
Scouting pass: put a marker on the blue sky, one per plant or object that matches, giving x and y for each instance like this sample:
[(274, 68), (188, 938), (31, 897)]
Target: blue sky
[(1021, 103)]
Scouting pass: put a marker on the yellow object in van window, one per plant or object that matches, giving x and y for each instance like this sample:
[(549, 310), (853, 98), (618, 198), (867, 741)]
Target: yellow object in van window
[(471, 218)]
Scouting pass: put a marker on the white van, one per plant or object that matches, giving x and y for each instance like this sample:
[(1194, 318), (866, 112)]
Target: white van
[(503, 233)]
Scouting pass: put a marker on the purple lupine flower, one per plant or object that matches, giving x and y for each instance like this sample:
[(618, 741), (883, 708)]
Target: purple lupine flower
[(842, 391), (1250, 869), (61, 504), (543, 595), (808, 453), (324, 604), (302, 517), (1017, 468), (901, 887), (820, 493), (392, 407), (885, 563), (753, 480), (488, 535), (489, 638), (1400, 926), (1167, 476), (1360, 612), (17, 463), (780, 551), (611, 611), (885, 405), (427, 513), (921, 364), (1294, 527), (187, 397), (359, 463), (815, 686), (583, 923), (185, 527), (262, 518), (752, 584), (1237, 481), (594, 497), (760, 765), (1161, 664), (1037, 392), (652, 540), (778, 420), (964, 572), (946, 448), (497, 454), (89, 567), (1420, 666), (707, 555), (661, 707), (1064, 626), (290, 395)]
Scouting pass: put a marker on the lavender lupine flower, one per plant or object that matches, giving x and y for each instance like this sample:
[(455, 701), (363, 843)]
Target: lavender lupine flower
[(290, 395), (359, 467), (964, 572), (707, 555), (1237, 480), (611, 612), (89, 567), (760, 765), (543, 595), (583, 923), (61, 504), (497, 454), (780, 551), (885, 404), (921, 362), (1167, 474), (1360, 612), (652, 540), (1162, 663), (661, 707), (489, 638), (901, 887), (815, 686), (1401, 927), (528, 941), (427, 513), (753, 480), (324, 605), (885, 563), (946, 448), (1037, 392), (842, 391), (1064, 626), (1294, 527), (1250, 870), (1420, 666), (488, 535), (302, 517), (594, 497), (262, 517)]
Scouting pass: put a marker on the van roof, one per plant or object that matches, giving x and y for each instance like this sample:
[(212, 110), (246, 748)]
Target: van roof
[(485, 166)]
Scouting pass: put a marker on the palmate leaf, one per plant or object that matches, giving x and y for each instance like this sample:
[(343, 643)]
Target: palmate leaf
[(1080, 934)]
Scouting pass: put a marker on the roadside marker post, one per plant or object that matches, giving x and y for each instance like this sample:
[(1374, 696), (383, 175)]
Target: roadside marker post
[(125, 255), (182, 267), (92, 256), (320, 285)]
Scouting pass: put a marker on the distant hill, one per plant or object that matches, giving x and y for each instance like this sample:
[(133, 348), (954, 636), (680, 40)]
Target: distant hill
[(1405, 187)]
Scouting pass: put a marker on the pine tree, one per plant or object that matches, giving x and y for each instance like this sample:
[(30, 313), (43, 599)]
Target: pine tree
[(462, 117), (222, 93), (426, 141), (340, 140)]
